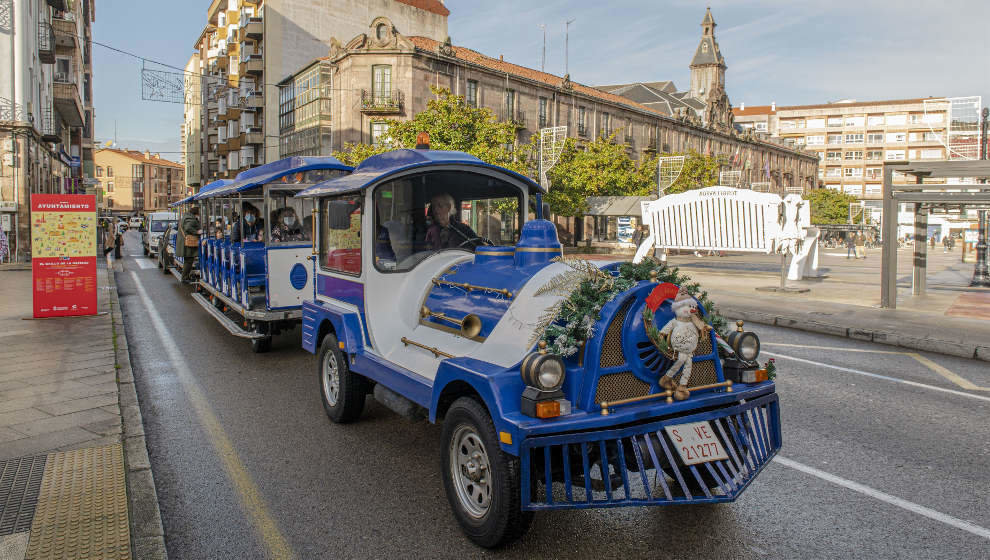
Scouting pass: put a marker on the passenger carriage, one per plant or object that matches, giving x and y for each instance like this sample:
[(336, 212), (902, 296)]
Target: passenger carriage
[(446, 332), (255, 274), (175, 260)]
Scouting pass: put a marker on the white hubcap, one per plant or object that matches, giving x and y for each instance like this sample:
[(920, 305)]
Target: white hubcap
[(331, 378)]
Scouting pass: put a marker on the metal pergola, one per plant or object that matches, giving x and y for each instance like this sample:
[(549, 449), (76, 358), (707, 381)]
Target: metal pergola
[(925, 197)]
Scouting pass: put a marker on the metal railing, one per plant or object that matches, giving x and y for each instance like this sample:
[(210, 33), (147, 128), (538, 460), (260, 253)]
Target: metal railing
[(374, 102), (46, 42)]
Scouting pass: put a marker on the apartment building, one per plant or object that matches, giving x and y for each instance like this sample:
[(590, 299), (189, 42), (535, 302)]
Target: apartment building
[(852, 139), (248, 45), (135, 182), (382, 74), (46, 107), (191, 129)]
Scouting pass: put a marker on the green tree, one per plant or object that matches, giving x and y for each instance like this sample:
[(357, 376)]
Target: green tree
[(699, 171), (452, 125), (829, 206), (602, 167)]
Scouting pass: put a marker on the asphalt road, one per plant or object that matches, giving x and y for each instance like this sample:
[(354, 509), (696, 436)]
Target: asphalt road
[(247, 465)]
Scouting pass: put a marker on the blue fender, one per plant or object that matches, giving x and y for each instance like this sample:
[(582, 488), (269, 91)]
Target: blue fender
[(346, 324), (500, 390)]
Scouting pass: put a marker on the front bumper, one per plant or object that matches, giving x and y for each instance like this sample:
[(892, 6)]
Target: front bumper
[(643, 468)]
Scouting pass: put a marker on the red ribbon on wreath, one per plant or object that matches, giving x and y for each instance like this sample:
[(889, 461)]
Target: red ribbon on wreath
[(661, 293)]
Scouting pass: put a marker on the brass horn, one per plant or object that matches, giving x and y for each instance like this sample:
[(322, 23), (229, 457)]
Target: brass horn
[(470, 325)]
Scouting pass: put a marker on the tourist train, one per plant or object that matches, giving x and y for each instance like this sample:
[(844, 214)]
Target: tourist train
[(432, 281)]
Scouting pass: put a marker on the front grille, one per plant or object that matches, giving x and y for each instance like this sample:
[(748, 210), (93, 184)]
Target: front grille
[(612, 354), (615, 386)]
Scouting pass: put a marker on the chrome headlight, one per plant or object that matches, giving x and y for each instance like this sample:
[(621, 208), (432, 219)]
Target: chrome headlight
[(544, 371), (745, 344)]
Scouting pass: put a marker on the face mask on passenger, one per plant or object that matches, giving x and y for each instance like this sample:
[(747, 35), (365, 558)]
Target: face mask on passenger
[(249, 218), (288, 220)]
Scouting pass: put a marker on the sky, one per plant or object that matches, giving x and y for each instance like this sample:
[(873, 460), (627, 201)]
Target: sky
[(790, 52)]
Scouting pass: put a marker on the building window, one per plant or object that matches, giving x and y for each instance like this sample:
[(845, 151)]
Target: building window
[(379, 130), (875, 138), (875, 155), (874, 172), (99, 170), (834, 138), (381, 83), (854, 138), (110, 187), (472, 93), (896, 120), (109, 171), (833, 156), (932, 137), (856, 122), (606, 124), (893, 155), (896, 137), (543, 111), (931, 154), (833, 172), (760, 126), (857, 155), (816, 123), (510, 104), (834, 121), (815, 140), (582, 123), (875, 120), (853, 172)]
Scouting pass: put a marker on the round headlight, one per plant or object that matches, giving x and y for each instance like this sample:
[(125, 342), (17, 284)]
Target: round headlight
[(746, 345), (543, 371)]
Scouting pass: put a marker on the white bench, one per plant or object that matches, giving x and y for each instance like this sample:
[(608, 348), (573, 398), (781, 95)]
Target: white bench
[(730, 219)]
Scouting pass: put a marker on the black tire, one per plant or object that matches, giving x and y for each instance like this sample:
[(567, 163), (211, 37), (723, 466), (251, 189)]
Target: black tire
[(347, 402), (468, 427), (258, 345)]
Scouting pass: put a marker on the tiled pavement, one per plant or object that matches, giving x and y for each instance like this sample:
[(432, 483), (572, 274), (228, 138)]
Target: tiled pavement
[(64, 383)]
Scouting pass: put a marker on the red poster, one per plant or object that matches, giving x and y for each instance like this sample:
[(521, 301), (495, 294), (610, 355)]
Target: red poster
[(63, 254)]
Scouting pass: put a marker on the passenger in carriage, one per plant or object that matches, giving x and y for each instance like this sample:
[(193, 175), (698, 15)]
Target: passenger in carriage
[(447, 231), (252, 226), (286, 226)]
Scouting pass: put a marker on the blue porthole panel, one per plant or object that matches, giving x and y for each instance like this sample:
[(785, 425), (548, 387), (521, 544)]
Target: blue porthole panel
[(298, 276)]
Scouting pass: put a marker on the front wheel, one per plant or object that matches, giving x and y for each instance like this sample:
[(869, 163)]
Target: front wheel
[(259, 345), (481, 481), (342, 391)]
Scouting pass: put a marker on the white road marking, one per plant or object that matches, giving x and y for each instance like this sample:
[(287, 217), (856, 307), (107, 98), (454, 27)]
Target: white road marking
[(878, 376), (247, 491), (886, 498), (144, 263)]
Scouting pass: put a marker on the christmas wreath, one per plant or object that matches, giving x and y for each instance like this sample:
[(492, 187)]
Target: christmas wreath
[(566, 325)]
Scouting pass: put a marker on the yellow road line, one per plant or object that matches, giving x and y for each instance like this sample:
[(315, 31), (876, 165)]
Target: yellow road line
[(941, 370), (247, 490), (955, 378)]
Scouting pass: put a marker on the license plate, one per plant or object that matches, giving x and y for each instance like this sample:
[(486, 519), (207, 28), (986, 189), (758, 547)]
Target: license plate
[(696, 443)]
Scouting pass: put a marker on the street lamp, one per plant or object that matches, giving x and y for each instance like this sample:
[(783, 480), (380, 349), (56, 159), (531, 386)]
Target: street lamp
[(981, 276)]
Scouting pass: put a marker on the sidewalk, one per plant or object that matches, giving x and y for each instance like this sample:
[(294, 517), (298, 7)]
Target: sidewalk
[(75, 481)]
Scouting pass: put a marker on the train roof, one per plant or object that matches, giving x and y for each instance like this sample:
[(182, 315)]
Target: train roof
[(203, 191), (383, 165), (257, 176)]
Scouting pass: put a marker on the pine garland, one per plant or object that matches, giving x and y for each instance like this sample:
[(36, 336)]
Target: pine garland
[(566, 325)]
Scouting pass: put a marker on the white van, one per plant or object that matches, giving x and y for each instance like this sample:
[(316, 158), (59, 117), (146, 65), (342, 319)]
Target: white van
[(158, 222)]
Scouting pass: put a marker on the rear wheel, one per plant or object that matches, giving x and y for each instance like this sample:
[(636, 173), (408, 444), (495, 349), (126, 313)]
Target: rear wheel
[(481, 481), (258, 345), (342, 391)]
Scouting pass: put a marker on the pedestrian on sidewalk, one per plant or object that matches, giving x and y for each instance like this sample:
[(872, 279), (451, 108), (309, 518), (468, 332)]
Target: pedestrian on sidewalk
[(190, 246), (109, 240), (637, 236), (851, 245), (945, 244), (931, 242), (118, 244)]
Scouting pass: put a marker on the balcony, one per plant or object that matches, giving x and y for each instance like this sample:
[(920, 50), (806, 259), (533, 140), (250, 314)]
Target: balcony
[(252, 64), (254, 28), (519, 119), (380, 104), (46, 43), (252, 135), (253, 100), (67, 100), (51, 127), (65, 33), (233, 143)]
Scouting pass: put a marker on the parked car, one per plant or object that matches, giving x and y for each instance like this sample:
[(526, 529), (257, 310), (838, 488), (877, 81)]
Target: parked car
[(158, 222)]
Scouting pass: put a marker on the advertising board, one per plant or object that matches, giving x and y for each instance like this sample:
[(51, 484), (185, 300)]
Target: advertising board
[(63, 250)]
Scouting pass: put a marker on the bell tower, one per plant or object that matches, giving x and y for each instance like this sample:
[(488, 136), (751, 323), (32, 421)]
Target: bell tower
[(707, 66)]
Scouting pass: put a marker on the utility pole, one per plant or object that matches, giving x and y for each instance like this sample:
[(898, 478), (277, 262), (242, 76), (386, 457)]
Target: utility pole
[(981, 276), (567, 34), (543, 63)]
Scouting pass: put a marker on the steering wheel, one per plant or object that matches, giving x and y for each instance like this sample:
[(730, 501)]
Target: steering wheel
[(483, 240)]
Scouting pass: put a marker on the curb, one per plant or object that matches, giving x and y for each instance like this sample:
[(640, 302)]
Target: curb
[(926, 344), (147, 533)]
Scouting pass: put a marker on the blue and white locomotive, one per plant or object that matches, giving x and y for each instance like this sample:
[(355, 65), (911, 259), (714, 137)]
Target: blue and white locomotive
[(429, 267), (256, 247)]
